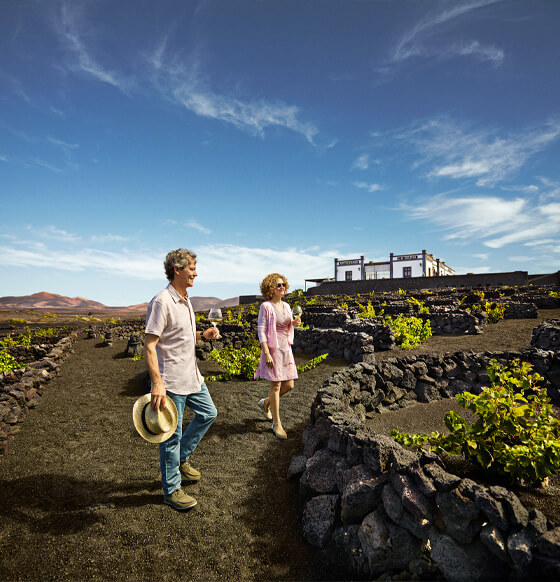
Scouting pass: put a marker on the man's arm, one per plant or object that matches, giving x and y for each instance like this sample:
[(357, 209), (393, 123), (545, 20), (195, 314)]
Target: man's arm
[(150, 355)]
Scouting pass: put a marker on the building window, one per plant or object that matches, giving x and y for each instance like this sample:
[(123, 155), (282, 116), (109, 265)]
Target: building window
[(349, 275), (407, 272)]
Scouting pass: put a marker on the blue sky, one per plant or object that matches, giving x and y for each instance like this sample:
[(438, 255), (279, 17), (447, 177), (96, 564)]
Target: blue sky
[(273, 136)]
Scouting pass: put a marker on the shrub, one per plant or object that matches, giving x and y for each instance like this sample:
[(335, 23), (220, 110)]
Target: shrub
[(17, 320), (421, 304), (294, 296), (495, 311), (8, 341), (367, 311), (313, 363), (236, 362), (555, 294), (49, 332), (409, 332), (237, 319), (8, 363), (515, 434)]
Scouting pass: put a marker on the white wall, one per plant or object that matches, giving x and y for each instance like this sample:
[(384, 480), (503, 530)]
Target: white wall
[(341, 272), (414, 264)]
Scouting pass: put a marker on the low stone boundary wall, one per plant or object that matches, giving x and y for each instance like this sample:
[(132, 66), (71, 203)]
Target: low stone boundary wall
[(449, 320), (118, 331), (352, 346), (383, 509), (547, 336), (23, 389), (521, 311), (443, 319), (27, 354)]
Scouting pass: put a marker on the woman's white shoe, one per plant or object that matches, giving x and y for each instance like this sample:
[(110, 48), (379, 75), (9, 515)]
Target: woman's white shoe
[(267, 413)]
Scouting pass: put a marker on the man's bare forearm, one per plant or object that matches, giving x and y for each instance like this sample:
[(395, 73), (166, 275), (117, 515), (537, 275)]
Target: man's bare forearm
[(158, 387)]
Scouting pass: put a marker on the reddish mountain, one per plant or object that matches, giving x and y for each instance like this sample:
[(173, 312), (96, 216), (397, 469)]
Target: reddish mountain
[(46, 300), (52, 301)]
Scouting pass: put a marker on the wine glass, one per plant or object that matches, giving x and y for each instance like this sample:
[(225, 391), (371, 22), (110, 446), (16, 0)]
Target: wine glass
[(215, 316), (297, 311)]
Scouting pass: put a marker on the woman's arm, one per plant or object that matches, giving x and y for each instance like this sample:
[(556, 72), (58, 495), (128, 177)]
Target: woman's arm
[(262, 328)]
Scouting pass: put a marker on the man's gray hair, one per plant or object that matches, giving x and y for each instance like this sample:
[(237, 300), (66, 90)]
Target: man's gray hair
[(180, 259)]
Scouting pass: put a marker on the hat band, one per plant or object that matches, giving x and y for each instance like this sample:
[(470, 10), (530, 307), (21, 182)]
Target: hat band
[(144, 420)]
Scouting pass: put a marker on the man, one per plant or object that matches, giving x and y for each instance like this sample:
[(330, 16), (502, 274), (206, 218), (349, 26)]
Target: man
[(169, 350)]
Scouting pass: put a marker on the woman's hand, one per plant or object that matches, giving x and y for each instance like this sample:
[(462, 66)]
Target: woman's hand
[(269, 361)]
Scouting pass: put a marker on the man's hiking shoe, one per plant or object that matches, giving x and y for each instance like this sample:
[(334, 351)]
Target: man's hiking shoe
[(179, 500), (189, 472)]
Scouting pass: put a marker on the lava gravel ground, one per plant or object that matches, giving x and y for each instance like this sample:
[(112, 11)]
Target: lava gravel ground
[(80, 496)]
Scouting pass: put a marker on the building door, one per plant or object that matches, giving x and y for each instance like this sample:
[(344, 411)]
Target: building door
[(407, 272), (349, 275)]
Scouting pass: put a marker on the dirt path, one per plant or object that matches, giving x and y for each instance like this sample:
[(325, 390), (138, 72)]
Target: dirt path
[(80, 496)]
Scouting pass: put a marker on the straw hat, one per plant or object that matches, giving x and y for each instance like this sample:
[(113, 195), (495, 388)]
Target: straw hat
[(155, 427)]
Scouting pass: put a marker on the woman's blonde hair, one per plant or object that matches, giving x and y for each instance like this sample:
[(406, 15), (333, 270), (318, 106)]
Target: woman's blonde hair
[(269, 283)]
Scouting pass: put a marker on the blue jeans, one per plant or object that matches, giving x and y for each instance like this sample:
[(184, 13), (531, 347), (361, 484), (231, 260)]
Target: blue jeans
[(178, 448)]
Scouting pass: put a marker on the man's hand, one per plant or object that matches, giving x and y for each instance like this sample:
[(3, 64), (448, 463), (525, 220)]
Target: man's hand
[(211, 333), (158, 396)]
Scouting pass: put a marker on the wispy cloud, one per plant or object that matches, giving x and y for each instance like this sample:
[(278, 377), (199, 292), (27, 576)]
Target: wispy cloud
[(486, 155), (60, 234), (495, 221), (103, 238), (47, 165), (369, 187), (361, 162), (185, 85), (71, 30), (127, 263), (62, 144), (179, 80), (197, 226), (435, 37)]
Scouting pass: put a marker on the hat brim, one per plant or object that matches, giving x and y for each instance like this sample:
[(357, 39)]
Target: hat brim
[(139, 425)]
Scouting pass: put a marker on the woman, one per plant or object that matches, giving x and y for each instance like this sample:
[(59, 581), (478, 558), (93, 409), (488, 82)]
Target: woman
[(276, 335)]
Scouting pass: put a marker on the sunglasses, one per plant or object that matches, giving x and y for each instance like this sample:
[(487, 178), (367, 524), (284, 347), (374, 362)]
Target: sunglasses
[(281, 285)]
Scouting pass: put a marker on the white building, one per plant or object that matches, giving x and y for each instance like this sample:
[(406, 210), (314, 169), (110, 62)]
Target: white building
[(420, 264)]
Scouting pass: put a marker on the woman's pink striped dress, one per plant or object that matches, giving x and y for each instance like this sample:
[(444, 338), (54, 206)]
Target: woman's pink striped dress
[(284, 364)]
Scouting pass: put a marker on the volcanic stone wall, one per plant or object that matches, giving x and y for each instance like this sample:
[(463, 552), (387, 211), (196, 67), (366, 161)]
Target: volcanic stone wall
[(547, 336), (386, 509), (22, 389), (353, 346)]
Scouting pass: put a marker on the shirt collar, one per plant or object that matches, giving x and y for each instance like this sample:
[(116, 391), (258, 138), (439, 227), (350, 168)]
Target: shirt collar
[(175, 294)]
